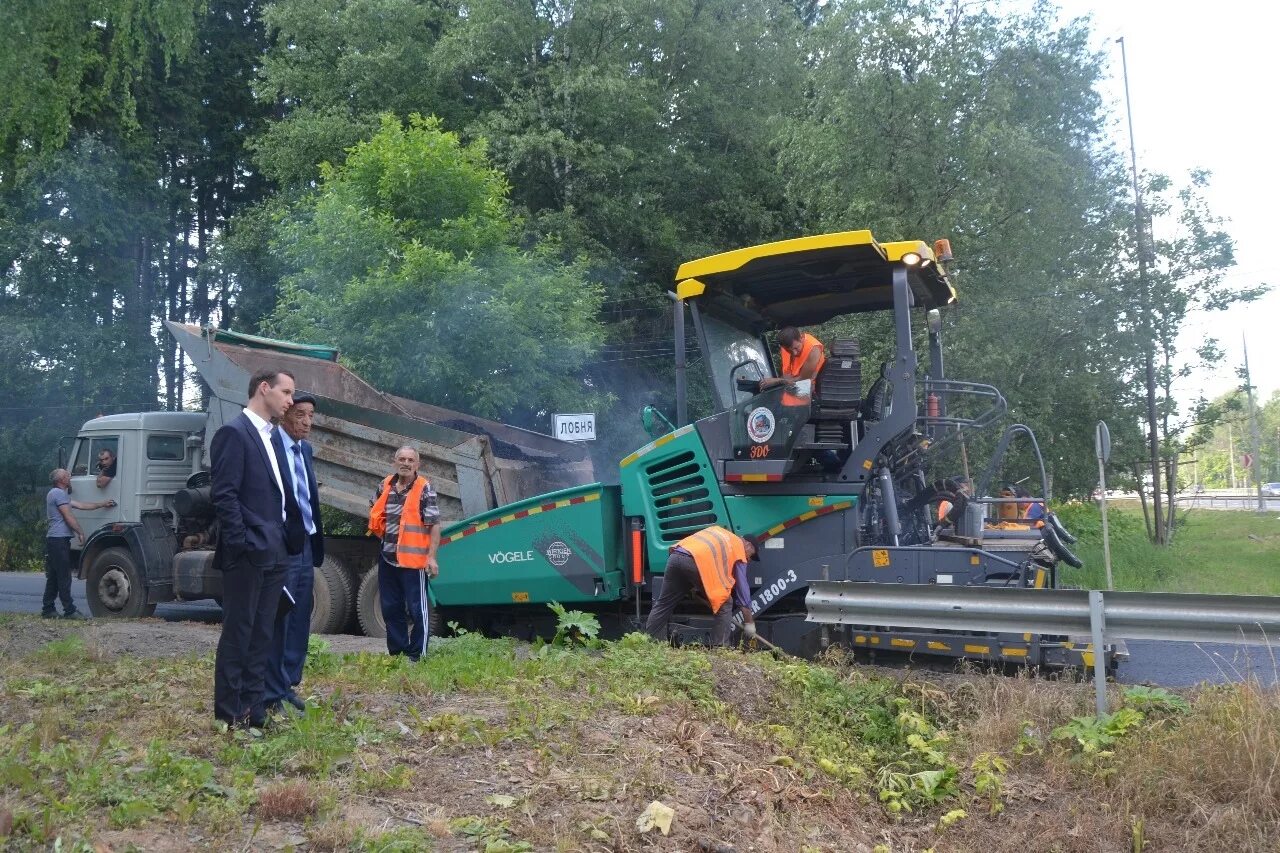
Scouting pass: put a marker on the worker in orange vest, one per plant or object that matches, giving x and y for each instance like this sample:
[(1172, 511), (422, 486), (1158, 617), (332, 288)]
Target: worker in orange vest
[(404, 515), (963, 486), (715, 561), (802, 357)]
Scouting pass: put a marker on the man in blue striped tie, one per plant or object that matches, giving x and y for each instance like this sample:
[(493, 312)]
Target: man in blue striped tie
[(293, 625)]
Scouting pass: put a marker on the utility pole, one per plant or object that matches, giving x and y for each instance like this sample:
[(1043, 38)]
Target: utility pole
[(1144, 294), (1256, 434), (1231, 455)]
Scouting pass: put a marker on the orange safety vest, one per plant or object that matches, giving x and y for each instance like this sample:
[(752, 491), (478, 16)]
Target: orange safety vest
[(791, 366), (414, 541), (715, 551), (944, 507), (1007, 511)]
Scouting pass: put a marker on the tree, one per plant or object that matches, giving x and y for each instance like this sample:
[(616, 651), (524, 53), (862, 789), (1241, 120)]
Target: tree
[(122, 129), (1190, 252), (336, 66), (405, 257), (922, 123)]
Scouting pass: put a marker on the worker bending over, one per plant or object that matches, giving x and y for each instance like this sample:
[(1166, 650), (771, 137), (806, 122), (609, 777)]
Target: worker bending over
[(715, 561)]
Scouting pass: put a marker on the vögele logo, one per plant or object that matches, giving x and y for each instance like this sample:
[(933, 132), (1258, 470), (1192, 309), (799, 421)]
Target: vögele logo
[(510, 557)]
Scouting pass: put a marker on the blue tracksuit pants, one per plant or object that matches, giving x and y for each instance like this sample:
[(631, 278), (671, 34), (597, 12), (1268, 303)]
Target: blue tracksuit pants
[(405, 608)]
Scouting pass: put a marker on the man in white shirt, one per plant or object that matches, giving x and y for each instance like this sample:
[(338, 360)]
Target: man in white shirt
[(251, 502)]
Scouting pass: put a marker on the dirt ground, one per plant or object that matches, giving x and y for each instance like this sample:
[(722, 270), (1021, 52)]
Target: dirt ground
[(571, 784), (147, 638)]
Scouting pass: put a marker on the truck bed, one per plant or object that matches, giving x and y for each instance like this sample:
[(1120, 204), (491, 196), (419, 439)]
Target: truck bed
[(475, 464)]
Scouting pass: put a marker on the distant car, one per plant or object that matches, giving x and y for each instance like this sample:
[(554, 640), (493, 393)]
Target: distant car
[(1198, 489), (1271, 489)]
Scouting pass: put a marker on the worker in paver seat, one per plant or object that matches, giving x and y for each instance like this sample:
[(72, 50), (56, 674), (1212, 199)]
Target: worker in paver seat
[(802, 357), (715, 561)]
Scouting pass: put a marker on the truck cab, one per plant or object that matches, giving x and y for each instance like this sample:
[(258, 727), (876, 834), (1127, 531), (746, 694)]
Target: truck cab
[(156, 453)]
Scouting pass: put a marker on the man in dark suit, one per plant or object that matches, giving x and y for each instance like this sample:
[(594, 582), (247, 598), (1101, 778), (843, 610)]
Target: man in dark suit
[(253, 545), (293, 625)]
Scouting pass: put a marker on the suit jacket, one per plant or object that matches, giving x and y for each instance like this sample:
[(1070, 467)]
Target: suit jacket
[(293, 526), (246, 497)]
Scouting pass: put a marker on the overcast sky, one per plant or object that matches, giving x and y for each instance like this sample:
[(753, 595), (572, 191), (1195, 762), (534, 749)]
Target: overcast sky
[(1203, 84)]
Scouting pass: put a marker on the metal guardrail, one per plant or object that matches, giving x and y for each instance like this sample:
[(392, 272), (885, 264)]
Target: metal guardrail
[(1253, 619), (1270, 502)]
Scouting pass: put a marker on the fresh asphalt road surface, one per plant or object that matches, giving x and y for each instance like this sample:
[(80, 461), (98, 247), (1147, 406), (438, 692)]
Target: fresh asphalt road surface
[(1170, 664), (22, 592)]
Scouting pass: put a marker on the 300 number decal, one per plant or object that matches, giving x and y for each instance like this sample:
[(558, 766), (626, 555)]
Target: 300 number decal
[(759, 451)]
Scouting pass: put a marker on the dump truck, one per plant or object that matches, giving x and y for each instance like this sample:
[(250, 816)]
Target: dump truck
[(834, 479), (156, 544)]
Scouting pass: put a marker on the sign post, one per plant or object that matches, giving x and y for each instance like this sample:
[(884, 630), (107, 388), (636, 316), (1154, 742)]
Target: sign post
[(1102, 445), (580, 427)]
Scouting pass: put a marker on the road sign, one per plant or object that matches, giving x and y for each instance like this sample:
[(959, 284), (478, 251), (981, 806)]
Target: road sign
[(580, 427), (1246, 460), (1102, 442), (1102, 448)]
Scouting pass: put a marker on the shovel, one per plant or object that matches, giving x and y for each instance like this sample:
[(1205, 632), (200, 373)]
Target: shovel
[(770, 646)]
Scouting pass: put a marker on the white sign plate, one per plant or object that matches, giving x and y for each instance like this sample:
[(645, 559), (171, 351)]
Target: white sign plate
[(581, 427)]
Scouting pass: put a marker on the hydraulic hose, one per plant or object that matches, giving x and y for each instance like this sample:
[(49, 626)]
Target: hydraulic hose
[(1059, 549)]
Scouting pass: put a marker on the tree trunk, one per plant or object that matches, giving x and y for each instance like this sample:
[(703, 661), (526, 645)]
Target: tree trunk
[(146, 353), (172, 358), (1142, 498), (200, 298), (1153, 440)]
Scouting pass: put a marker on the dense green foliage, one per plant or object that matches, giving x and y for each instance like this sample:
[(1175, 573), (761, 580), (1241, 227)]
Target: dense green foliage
[(258, 166), (405, 258)]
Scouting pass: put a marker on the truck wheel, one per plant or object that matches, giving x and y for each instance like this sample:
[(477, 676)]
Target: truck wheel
[(353, 612), (115, 586), (369, 610), (331, 598), (369, 606)]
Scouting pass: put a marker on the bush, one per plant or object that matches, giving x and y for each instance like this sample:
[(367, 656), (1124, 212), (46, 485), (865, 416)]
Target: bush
[(1085, 521), (22, 533)]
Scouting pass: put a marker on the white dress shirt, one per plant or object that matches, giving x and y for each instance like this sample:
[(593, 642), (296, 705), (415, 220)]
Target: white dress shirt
[(264, 432)]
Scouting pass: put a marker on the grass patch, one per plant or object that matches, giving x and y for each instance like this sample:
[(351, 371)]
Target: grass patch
[(1213, 551), (493, 745), (458, 664), (68, 649)]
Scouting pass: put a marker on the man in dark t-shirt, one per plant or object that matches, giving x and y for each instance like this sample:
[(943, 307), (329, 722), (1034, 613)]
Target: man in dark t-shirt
[(106, 467)]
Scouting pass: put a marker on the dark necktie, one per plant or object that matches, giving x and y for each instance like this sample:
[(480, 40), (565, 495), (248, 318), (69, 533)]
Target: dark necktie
[(301, 487)]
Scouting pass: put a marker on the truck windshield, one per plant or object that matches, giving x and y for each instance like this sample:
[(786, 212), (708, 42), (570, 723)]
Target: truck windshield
[(729, 346)]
